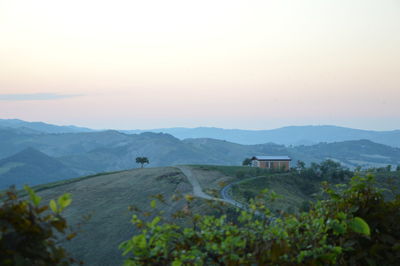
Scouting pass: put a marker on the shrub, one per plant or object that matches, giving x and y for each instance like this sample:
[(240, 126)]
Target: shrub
[(30, 232), (352, 225)]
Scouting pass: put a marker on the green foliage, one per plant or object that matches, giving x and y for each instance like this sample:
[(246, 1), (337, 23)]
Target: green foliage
[(142, 161), (300, 165), (358, 225), (327, 170), (30, 233), (351, 225), (246, 162)]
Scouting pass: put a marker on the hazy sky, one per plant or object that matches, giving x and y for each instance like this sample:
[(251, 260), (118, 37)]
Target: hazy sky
[(234, 64)]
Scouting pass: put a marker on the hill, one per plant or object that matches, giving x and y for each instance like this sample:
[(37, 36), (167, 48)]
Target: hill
[(107, 197), (294, 190), (41, 127), (350, 153), (292, 135), (32, 167)]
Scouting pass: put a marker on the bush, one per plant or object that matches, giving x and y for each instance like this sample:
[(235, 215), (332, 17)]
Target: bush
[(352, 225), (30, 232)]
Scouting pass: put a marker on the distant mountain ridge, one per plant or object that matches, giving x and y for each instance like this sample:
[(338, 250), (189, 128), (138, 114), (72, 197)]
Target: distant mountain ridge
[(291, 135), (40, 127)]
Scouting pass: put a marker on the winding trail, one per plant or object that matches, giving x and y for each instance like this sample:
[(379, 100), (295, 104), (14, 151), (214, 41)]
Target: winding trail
[(198, 191)]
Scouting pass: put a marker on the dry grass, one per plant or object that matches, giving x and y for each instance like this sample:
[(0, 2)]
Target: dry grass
[(107, 198)]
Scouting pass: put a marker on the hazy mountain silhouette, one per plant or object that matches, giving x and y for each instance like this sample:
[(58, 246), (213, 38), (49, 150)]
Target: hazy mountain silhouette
[(292, 135), (41, 127), (32, 167)]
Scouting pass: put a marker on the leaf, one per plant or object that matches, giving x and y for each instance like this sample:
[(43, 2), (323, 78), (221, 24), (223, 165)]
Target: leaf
[(64, 201), (53, 206), (155, 221), (32, 195), (153, 203), (360, 226), (176, 263), (338, 228), (140, 241)]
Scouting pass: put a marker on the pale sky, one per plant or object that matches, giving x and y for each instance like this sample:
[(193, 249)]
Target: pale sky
[(234, 64)]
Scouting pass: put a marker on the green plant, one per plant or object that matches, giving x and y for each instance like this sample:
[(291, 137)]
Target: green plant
[(30, 232), (351, 225)]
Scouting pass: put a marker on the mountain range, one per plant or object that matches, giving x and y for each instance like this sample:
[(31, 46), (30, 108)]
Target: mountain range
[(84, 153), (292, 135)]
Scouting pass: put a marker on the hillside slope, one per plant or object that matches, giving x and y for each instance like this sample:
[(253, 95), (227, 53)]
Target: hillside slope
[(107, 198), (32, 167)]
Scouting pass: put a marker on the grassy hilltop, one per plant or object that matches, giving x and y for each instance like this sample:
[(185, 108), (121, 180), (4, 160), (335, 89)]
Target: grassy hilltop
[(107, 197)]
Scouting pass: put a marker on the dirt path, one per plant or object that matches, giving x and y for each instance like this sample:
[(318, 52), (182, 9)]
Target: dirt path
[(198, 191)]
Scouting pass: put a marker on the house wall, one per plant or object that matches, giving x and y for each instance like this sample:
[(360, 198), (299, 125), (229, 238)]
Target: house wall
[(262, 164), (272, 164)]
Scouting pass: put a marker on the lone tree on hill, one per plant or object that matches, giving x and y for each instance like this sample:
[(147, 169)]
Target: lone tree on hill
[(142, 160)]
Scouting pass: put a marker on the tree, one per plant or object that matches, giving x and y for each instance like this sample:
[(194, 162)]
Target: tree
[(398, 168), (30, 233), (246, 162), (142, 161), (300, 165), (389, 167)]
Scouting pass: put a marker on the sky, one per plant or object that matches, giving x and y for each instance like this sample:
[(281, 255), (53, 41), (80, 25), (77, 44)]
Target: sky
[(233, 64)]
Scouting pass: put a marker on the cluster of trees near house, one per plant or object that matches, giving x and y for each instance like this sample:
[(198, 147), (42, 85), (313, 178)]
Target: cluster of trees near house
[(352, 224), (387, 168), (328, 168)]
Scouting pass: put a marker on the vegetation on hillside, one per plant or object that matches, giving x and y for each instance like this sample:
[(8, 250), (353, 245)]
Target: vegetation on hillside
[(351, 225), (30, 233)]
